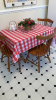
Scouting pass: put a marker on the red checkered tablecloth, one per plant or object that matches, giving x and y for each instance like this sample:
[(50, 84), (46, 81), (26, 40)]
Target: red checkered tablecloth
[(20, 40)]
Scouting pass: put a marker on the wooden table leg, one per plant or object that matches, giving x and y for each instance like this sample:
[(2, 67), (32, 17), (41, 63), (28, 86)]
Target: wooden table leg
[(25, 60), (22, 58), (19, 64)]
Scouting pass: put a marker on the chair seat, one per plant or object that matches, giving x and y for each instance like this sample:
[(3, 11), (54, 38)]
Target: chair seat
[(40, 50), (5, 50)]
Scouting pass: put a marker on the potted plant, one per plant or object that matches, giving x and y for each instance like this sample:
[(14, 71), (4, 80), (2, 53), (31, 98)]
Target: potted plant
[(27, 23)]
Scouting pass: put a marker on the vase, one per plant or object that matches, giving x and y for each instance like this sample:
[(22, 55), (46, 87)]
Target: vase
[(28, 28)]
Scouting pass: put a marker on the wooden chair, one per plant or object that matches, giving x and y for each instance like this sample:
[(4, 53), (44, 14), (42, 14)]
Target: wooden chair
[(47, 22), (42, 49), (7, 52)]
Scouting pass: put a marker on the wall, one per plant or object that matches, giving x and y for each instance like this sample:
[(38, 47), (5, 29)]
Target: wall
[(51, 11), (40, 10)]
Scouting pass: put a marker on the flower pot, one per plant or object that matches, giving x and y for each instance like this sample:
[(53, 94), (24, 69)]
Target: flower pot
[(28, 28)]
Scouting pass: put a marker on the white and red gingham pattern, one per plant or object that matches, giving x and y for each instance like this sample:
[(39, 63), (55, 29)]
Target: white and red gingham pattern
[(20, 40)]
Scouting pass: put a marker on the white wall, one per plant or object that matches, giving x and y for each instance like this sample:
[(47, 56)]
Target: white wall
[(52, 11), (5, 18)]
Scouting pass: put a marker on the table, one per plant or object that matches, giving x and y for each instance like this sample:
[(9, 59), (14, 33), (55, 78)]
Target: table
[(20, 40)]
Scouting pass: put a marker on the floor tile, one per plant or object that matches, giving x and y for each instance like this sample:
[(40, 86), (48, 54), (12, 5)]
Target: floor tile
[(5, 72), (52, 71), (13, 82), (52, 79), (13, 68), (17, 89), (47, 74), (29, 99), (1, 76), (30, 90), (48, 85), (3, 67), (55, 75), (36, 84), (9, 94), (14, 98), (22, 95), (50, 97), (2, 81), (15, 73), (2, 97), (9, 77), (54, 67), (30, 78), (20, 77), (50, 64), (36, 96), (26, 73), (36, 74), (24, 83), (1, 92), (5, 87), (54, 91), (42, 79), (42, 91)]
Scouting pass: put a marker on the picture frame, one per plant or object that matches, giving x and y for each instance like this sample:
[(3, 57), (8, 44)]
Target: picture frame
[(16, 3)]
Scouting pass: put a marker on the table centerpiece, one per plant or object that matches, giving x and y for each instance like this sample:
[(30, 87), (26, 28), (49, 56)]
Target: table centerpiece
[(27, 23)]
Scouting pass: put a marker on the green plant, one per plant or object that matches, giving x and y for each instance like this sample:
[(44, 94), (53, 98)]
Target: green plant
[(27, 22)]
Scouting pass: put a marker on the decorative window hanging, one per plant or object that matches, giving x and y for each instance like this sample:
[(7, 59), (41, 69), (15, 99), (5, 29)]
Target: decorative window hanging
[(14, 3)]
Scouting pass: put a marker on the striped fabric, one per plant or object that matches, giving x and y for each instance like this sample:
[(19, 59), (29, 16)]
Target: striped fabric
[(20, 40)]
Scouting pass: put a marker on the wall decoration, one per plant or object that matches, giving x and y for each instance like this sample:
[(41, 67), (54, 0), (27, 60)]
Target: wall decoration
[(14, 3)]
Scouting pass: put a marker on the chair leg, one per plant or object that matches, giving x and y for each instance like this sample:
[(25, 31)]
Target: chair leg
[(19, 65), (48, 58), (49, 51), (8, 64), (27, 57), (1, 57), (39, 64)]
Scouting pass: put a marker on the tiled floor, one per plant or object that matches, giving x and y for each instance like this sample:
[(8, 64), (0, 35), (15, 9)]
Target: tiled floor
[(29, 84)]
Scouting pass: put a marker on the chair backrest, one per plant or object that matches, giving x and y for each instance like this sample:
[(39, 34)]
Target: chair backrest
[(47, 22), (3, 43), (47, 40), (2, 38)]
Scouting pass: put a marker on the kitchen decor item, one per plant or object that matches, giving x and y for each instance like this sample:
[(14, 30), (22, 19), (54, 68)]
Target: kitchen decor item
[(15, 3), (27, 23), (12, 26)]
